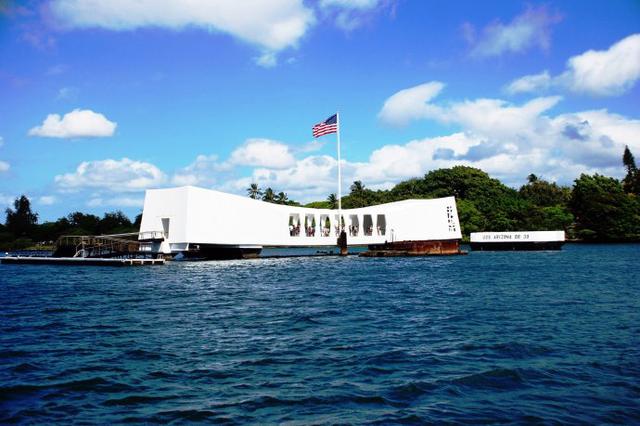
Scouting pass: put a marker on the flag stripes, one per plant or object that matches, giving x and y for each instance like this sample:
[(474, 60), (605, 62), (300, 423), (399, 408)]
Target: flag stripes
[(330, 125)]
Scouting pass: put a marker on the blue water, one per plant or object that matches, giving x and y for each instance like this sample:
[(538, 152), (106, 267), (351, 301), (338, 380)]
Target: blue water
[(489, 337)]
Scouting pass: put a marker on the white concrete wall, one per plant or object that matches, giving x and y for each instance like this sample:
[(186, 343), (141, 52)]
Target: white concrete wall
[(211, 217)]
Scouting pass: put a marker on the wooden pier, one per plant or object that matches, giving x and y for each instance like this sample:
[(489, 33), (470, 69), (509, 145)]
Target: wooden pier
[(78, 261)]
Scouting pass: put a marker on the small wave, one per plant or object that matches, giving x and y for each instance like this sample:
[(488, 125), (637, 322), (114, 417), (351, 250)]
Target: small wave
[(372, 370), (204, 373), (268, 401), (51, 326), (141, 354), (269, 361), (92, 384), (390, 357), (56, 310), (25, 367), (409, 391), (185, 415), (13, 354), (497, 379), (135, 400), (304, 319), (515, 350)]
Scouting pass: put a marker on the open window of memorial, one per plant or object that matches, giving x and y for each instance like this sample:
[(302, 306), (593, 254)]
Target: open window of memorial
[(294, 224), (336, 227), (354, 225), (310, 225), (381, 225), (325, 225), (367, 224)]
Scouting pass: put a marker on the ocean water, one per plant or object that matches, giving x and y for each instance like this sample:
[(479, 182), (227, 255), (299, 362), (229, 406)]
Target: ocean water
[(503, 337)]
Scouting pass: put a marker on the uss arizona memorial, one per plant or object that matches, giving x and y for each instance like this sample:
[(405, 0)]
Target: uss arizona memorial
[(212, 224)]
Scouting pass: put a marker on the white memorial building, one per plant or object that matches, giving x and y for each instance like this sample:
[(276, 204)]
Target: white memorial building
[(212, 224)]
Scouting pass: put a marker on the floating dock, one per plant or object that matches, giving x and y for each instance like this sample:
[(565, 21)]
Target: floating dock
[(78, 261)]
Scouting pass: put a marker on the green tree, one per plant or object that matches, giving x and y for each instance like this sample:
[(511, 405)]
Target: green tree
[(471, 220), (500, 206), (21, 221), (631, 182), (282, 198), (269, 196), (545, 194), (115, 223), (83, 224), (603, 211), (254, 191), (333, 201)]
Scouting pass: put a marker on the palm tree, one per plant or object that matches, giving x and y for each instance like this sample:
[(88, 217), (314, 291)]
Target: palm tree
[(357, 187), (333, 201), (282, 198), (269, 196), (253, 191)]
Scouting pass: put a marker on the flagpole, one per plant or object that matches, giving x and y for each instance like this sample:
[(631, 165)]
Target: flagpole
[(339, 174)]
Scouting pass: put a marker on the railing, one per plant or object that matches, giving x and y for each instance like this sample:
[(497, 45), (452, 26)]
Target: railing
[(151, 235), (97, 246)]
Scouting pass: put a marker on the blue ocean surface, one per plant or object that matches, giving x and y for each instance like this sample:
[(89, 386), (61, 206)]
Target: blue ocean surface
[(491, 337)]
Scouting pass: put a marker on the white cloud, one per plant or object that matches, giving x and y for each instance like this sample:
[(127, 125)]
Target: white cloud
[(410, 104), (75, 124), (507, 140), (262, 153), (201, 172), (306, 179), (67, 93), (123, 175), (595, 72), (480, 115), (350, 14), (530, 83), (208, 170), (47, 200), (4, 166), (116, 202), (271, 25), (6, 200), (605, 72), (529, 29), (350, 4), (267, 60)]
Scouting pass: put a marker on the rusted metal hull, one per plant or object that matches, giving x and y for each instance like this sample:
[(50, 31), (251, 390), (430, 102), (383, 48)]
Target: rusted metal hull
[(414, 248)]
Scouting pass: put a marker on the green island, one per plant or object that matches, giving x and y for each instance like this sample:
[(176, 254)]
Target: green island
[(595, 209)]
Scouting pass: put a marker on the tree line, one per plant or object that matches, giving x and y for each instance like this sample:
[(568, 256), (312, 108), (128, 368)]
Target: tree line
[(269, 195), (594, 208), (22, 230)]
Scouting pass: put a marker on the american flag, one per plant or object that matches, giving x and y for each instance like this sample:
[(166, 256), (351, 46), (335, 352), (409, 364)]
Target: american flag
[(330, 125)]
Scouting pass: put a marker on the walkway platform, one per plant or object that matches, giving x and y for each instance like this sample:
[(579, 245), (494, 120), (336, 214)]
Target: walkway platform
[(79, 261)]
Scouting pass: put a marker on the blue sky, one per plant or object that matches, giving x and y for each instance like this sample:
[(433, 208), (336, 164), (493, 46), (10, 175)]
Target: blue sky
[(102, 100)]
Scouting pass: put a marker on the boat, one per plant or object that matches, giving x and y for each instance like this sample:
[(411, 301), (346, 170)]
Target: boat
[(202, 223), (523, 240)]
